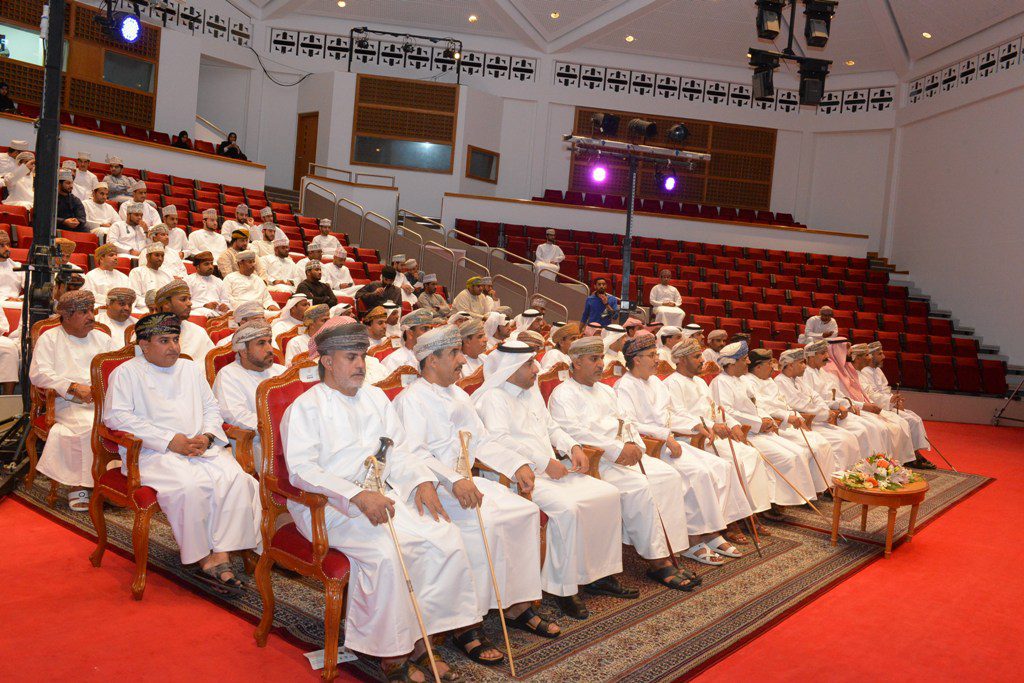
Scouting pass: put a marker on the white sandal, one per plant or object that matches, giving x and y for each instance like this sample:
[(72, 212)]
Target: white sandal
[(723, 547), (78, 500), (705, 555)]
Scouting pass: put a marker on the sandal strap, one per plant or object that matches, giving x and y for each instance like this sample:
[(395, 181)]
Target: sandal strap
[(468, 637)]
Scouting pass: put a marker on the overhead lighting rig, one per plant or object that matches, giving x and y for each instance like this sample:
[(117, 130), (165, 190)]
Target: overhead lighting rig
[(817, 27), (451, 50)]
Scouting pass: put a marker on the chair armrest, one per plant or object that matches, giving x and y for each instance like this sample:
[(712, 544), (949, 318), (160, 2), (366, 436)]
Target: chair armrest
[(132, 446), (243, 447), (502, 479), (653, 446), (594, 459)]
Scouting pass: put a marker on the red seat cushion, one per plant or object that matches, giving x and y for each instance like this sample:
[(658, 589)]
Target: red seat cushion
[(289, 540), (145, 496)]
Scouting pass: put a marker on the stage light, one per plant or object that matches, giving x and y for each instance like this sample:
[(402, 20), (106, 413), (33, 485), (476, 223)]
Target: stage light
[(128, 27), (812, 80), (599, 174), (818, 14), (642, 128), (666, 179), (363, 43), (605, 124), (764, 63), (678, 133), (769, 18), (408, 46)]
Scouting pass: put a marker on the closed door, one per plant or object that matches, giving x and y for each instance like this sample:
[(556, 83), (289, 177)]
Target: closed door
[(305, 145)]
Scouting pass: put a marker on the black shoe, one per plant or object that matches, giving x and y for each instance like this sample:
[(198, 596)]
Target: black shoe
[(922, 463), (611, 587), (573, 606), (773, 515)]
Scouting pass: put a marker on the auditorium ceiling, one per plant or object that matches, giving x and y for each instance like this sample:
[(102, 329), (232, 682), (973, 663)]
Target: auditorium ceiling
[(875, 35)]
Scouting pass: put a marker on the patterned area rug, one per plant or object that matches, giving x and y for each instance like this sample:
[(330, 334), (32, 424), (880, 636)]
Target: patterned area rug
[(659, 637), (946, 488)]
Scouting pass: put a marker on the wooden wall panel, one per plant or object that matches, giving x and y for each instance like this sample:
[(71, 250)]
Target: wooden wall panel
[(738, 175)]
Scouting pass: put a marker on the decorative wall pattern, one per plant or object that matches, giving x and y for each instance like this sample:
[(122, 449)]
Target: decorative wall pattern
[(193, 19), (723, 93), (1002, 57)]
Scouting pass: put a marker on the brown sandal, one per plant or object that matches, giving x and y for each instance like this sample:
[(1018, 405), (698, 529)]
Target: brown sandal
[(402, 673), (423, 662)]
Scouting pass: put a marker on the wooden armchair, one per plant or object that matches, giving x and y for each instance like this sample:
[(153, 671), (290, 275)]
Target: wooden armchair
[(42, 415), (664, 369), (397, 380), (472, 382), (285, 545), (300, 358), (217, 359), (216, 323), (111, 485), (547, 381), (614, 371), (281, 343)]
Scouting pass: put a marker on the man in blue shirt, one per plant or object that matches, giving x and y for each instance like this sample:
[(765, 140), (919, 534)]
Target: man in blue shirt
[(601, 307)]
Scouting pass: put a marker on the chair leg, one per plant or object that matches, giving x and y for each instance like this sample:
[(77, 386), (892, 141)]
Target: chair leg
[(99, 523), (31, 447), (335, 596), (51, 497), (249, 560), (266, 589), (140, 544)]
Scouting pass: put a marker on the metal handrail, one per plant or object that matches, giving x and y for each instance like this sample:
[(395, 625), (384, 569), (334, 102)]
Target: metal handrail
[(375, 175), (353, 177), (475, 263), (569, 277), (390, 226), (362, 209), (526, 292), (422, 217), (213, 125), (538, 295), (451, 278), (406, 233), (306, 182), (314, 165), (514, 256), (487, 247)]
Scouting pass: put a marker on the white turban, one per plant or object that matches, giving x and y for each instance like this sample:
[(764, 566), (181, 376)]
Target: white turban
[(612, 334), (492, 323), (502, 363)]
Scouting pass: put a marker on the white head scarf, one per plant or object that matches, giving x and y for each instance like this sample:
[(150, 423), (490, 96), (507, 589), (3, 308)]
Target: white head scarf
[(294, 299), (492, 323), (501, 364), (525, 319), (612, 334)]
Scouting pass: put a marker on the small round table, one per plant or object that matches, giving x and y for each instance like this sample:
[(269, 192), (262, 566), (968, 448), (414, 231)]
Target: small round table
[(911, 494)]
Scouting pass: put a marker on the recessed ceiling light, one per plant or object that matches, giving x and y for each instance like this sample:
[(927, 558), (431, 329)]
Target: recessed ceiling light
[(926, 35), (849, 62), (555, 15), (341, 3), (630, 39), (748, 55), (472, 18)]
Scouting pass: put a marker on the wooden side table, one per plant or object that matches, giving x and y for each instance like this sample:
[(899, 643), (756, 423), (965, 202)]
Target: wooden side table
[(911, 494)]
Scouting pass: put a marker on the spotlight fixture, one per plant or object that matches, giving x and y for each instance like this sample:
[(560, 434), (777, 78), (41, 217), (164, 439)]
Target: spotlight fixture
[(451, 51), (678, 133), (341, 3), (926, 35), (769, 18), (642, 128), (555, 15), (599, 173), (630, 39), (125, 27), (765, 63), (812, 80), (666, 179), (818, 15), (408, 45), (472, 18), (605, 124), (363, 43)]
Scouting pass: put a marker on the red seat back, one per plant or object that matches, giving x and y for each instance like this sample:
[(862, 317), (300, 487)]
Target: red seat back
[(272, 400)]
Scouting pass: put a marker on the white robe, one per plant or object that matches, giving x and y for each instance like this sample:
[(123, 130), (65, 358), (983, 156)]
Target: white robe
[(117, 329), (733, 394), (99, 282), (770, 400), (479, 305), (848, 445), (296, 345), (870, 436), (651, 505), (329, 244), (282, 325), (876, 387), (149, 213), (815, 329), (711, 486), (433, 416), (241, 288), (548, 257), (206, 240), (85, 182), (327, 438), (99, 217), (10, 351), (177, 240), (277, 268), (339, 279), (235, 389), (195, 343), (211, 504), (552, 357), (666, 302), (471, 365), (58, 361), (127, 238), (11, 282), (584, 533), (690, 400), (172, 265), (375, 371), (205, 290), (399, 357), (20, 190), (142, 279)]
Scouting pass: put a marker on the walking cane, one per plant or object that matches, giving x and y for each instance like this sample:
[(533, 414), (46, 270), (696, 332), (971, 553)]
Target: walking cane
[(751, 522), (931, 446), (814, 456), (465, 470), (664, 529), (373, 482)]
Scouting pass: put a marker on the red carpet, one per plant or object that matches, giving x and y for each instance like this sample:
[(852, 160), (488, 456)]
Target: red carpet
[(951, 593)]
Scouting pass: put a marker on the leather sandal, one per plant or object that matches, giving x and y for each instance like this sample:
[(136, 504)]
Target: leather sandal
[(423, 662), (670, 578), (462, 640), (402, 673), (213, 577), (522, 622)]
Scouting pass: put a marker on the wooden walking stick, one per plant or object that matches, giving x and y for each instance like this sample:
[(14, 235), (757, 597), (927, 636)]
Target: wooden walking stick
[(664, 529), (465, 469), (815, 457), (751, 521), (373, 482)]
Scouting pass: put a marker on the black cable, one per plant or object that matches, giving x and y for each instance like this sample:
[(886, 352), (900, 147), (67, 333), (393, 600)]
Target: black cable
[(272, 79)]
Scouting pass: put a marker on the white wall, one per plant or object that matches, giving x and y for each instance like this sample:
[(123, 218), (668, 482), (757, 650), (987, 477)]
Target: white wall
[(176, 93), (224, 93), (958, 216)]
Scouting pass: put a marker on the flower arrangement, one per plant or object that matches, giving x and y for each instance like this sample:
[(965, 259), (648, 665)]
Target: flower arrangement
[(877, 472)]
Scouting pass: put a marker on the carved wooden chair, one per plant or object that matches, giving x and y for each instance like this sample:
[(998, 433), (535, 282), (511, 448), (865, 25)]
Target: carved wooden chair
[(285, 545), (381, 351), (664, 369), (281, 342), (300, 358), (472, 382), (397, 380), (42, 415), (111, 485), (129, 334), (219, 322)]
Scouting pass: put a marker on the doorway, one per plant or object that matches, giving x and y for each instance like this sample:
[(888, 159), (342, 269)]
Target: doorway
[(305, 145)]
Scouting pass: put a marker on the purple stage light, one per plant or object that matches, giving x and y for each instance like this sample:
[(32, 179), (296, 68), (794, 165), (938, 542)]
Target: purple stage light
[(670, 183), (599, 174)]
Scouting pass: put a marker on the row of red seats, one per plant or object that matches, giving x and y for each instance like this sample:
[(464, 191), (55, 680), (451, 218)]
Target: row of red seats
[(677, 262), (91, 123), (923, 334), (752, 282), (687, 209), (914, 324)]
